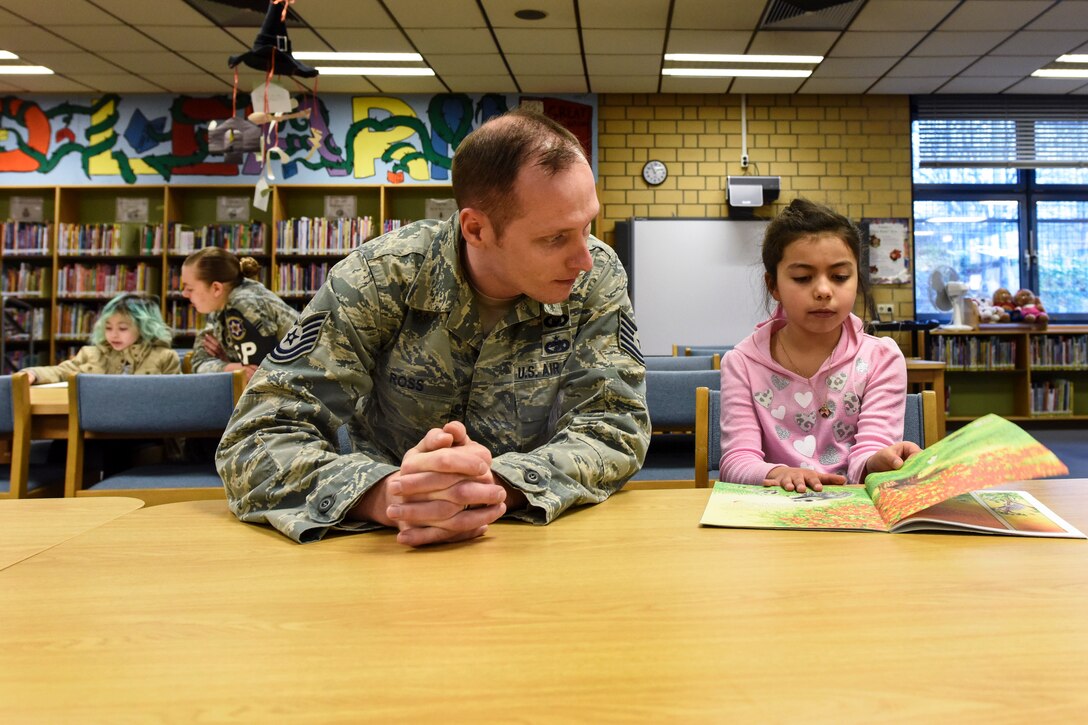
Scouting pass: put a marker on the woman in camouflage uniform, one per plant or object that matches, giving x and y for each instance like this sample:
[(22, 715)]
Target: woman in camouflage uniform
[(245, 318)]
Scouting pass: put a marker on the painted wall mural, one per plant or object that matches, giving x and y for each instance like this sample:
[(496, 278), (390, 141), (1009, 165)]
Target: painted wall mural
[(145, 139)]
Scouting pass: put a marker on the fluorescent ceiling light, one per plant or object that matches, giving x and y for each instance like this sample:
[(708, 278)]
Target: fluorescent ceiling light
[(735, 72), (715, 58), (8, 55), (1073, 58), (955, 220), (344, 70), (25, 70), (1061, 73), (357, 57)]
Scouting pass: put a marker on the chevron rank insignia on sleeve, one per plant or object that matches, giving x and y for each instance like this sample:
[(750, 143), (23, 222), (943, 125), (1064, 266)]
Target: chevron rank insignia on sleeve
[(300, 340), (628, 338)]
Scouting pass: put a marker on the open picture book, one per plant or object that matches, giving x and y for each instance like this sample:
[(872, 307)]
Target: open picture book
[(938, 488)]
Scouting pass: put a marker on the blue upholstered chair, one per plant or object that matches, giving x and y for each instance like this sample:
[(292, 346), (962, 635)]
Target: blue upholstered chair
[(719, 350), (670, 397), (143, 407), (683, 362), (30, 471), (919, 426)]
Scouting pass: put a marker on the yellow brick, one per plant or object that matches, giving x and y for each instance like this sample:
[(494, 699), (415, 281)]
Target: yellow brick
[(691, 155), (662, 127)]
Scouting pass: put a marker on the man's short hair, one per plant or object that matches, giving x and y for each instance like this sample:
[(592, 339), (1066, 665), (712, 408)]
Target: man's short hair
[(486, 164)]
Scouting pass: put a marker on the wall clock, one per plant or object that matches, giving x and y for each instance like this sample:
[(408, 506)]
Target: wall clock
[(654, 172)]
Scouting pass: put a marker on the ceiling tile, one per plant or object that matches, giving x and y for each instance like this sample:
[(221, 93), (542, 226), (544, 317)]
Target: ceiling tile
[(556, 41), (553, 84), (782, 42), (837, 85), (601, 42), (1032, 42), (72, 62), (906, 85), (959, 43), (707, 41), (874, 44), (161, 62), (358, 14), (997, 67), (22, 38), (190, 82), (407, 84), (468, 64), (480, 84), (107, 37), (995, 14), (454, 40), (50, 84), (683, 84), (558, 64), (1062, 16), (849, 67), (903, 15), (766, 85), (206, 38), (619, 65), (345, 84), (635, 13), (118, 83), (560, 14), (1048, 85), (623, 84), (969, 84), (445, 14), (716, 15), (74, 12), (158, 12), (929, 67), (351, 40)]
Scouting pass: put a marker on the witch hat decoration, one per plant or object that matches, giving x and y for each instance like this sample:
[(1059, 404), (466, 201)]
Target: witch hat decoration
[(272, 42)]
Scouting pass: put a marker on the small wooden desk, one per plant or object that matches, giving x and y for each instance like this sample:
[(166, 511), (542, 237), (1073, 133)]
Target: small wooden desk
[(929, 375), (31, 525), (48, 412), (623, 611)]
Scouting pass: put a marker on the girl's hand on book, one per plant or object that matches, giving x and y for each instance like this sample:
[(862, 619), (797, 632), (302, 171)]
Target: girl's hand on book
[(801, 479), (891, 458)]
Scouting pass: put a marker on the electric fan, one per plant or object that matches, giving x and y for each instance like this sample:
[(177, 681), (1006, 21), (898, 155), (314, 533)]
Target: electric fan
[(946, 292)]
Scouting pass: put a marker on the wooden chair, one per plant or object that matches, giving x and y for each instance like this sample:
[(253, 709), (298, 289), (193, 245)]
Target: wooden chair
[(106, 407), (919, 426), (29, 472), (670, 397)]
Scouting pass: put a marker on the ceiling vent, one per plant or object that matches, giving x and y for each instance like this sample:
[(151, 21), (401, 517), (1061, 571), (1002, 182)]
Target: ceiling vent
[(809, 14)]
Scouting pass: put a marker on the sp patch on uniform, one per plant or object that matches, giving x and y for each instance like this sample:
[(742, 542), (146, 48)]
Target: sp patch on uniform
[(300, 340), (628, 338)]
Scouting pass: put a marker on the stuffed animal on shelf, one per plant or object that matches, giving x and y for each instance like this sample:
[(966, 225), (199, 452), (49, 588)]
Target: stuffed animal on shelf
[(988, 313), (1030, 307), (1003, 302)]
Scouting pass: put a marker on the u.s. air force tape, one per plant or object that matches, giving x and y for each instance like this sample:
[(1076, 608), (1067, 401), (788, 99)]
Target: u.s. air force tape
[(628, 338), (300, 340)]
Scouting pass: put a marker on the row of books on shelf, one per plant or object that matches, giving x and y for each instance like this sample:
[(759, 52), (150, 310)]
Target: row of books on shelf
[(111, 239), (293, 279), (18, 359), (974, 353), (19, 324), (1069, 352), (183, 317), (247, 238), (106, 280), (31, 280), (26, 237), (1053, 397), (318, 235)]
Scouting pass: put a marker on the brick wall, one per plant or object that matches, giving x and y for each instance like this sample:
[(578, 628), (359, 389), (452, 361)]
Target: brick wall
[(849, 152)]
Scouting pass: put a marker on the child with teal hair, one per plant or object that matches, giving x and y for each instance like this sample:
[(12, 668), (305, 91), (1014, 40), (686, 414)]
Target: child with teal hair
[(129, 338)]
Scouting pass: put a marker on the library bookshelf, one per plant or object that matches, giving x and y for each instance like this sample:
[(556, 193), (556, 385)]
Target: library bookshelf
[(57, 273), (1021, 372)]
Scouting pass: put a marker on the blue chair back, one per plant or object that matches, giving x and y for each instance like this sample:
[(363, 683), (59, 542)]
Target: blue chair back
[(670, 396), (7, 406), (154, 405), (677, 362), (705, 349)]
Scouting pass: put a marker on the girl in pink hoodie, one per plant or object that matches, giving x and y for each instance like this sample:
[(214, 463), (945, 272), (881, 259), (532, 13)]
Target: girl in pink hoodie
[(808, 398)]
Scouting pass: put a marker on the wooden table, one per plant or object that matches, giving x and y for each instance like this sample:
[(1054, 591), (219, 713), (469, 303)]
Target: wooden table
[(624, 611), (48, 412), (929, 375), (29, 526)]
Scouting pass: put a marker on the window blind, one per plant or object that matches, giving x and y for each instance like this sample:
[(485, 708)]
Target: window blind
[(1023, 132)]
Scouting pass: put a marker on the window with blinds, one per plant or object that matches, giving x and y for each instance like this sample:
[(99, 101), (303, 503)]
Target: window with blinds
[(1017, 132)]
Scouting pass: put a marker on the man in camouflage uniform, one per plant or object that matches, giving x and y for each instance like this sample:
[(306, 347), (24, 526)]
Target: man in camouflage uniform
[(473, 367)]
